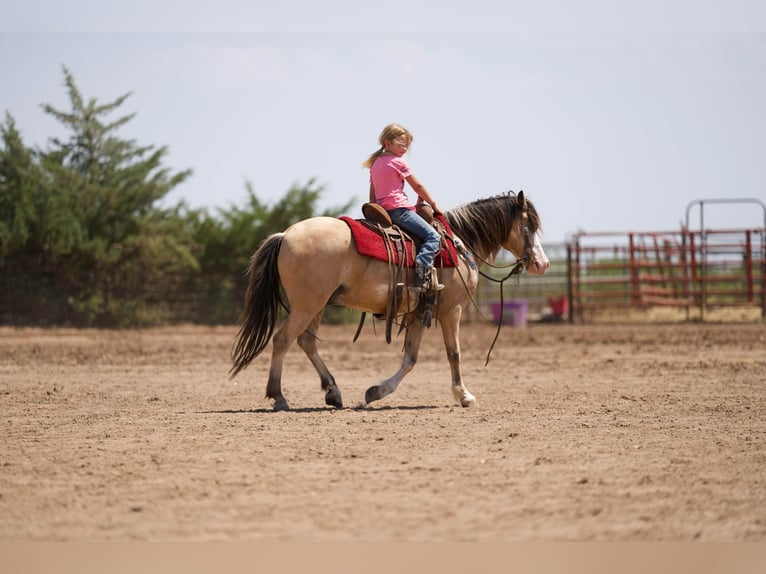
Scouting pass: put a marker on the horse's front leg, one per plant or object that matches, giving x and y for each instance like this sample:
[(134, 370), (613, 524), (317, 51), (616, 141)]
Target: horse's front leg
[(412, 341), (450, 323), (308, 342)]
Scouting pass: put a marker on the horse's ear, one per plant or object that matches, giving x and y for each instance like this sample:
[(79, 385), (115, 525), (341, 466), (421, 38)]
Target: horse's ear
[(522, 199)]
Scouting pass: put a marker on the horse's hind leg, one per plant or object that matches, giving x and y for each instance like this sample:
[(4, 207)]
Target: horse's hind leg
[(294, 326), (280, 344), (308, 342), (412, 341)]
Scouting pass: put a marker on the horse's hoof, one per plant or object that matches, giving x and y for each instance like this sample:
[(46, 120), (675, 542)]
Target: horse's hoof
[(372, 394), (281, 405), (333, 399), (467, 400)]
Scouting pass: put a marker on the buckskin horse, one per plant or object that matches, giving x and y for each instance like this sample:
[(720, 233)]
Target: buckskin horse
[(315, 263)]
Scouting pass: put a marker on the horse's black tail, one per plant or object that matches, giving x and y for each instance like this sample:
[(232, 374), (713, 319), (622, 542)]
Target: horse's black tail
[(263, 299)]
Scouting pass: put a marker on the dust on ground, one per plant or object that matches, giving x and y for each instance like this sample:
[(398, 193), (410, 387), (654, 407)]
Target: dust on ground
[(610, 432)]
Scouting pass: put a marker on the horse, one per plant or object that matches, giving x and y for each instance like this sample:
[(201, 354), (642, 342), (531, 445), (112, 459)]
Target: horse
[(315, 263)]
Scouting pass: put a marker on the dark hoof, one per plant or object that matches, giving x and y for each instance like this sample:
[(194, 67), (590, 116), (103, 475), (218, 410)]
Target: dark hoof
[(281, 405), (372, 394), (333, 399)]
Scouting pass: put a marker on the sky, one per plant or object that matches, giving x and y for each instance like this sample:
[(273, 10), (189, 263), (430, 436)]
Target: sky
[(611, 116)]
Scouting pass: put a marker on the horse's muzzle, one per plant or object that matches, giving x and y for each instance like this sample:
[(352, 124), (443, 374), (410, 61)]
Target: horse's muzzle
[(538, 267)]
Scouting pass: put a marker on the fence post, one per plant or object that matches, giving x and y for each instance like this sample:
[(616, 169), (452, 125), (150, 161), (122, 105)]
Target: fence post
[(748, 266), (763, 274), (570, 286), (634, 291)]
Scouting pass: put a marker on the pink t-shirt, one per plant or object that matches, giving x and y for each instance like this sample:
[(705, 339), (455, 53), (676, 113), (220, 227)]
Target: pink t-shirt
[(387, 176)]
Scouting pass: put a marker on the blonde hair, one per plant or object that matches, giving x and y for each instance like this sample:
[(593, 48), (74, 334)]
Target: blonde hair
[(390, 133)]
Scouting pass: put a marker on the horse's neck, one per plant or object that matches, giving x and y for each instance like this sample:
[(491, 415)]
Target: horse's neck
[(463, 227), (477, 250), (480, 253)]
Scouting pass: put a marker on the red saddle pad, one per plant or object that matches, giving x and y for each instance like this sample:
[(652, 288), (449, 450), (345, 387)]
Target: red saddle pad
[(371, 244)]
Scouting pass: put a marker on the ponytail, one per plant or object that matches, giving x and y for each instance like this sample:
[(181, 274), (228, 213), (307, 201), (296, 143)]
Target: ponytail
[(375, 155)]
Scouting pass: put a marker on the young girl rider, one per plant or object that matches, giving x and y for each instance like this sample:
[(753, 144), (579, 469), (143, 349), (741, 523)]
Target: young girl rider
[(388, 172)]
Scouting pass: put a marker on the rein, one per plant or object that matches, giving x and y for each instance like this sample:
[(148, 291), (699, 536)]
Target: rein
[(517, 269), (518, 266)]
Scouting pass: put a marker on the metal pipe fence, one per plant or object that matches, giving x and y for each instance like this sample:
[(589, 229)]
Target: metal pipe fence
[(706, 269), (592, 272)]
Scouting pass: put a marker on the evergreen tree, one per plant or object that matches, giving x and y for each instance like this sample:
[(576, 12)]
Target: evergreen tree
[(129, 248), (83, 240), (85, 210)]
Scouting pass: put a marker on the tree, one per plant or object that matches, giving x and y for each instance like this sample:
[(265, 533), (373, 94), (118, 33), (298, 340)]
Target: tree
[(83, 240), (227, 239), (84, 210)]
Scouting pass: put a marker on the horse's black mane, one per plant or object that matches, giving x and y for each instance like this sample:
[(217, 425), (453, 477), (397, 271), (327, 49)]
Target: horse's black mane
[(485, 224)]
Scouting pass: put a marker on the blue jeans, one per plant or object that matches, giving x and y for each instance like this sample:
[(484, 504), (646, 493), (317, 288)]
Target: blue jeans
[(415, 225)]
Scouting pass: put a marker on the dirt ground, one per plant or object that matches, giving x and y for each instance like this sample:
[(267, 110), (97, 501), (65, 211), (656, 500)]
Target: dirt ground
[(610, 432)]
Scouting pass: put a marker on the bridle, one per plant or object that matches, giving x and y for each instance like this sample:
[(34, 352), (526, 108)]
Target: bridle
[(529, 253), (527, 259)]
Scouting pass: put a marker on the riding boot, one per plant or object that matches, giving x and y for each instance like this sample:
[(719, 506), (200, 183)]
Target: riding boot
[(422, 278), (426, 279)]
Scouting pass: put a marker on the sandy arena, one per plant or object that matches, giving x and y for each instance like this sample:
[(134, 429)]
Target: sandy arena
[(641, 432)]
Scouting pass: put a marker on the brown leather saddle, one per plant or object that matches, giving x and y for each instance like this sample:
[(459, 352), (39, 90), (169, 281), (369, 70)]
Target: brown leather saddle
[(401, 248), (374, 212)]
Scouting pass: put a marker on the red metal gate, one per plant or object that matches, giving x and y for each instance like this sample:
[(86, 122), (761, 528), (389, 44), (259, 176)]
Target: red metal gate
[(690, 269)]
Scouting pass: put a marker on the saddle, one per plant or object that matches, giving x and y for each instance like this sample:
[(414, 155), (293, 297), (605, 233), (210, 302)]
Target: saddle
[(372, 234), (377, 236), (374, 212)]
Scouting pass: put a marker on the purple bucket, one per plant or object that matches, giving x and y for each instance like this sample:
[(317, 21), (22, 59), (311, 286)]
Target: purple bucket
[(514, 312)]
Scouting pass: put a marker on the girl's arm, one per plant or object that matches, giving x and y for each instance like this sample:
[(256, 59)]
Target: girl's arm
[(372, 193), (422, 192)]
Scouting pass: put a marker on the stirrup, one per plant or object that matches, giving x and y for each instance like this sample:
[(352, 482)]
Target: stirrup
[(433, 281)]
